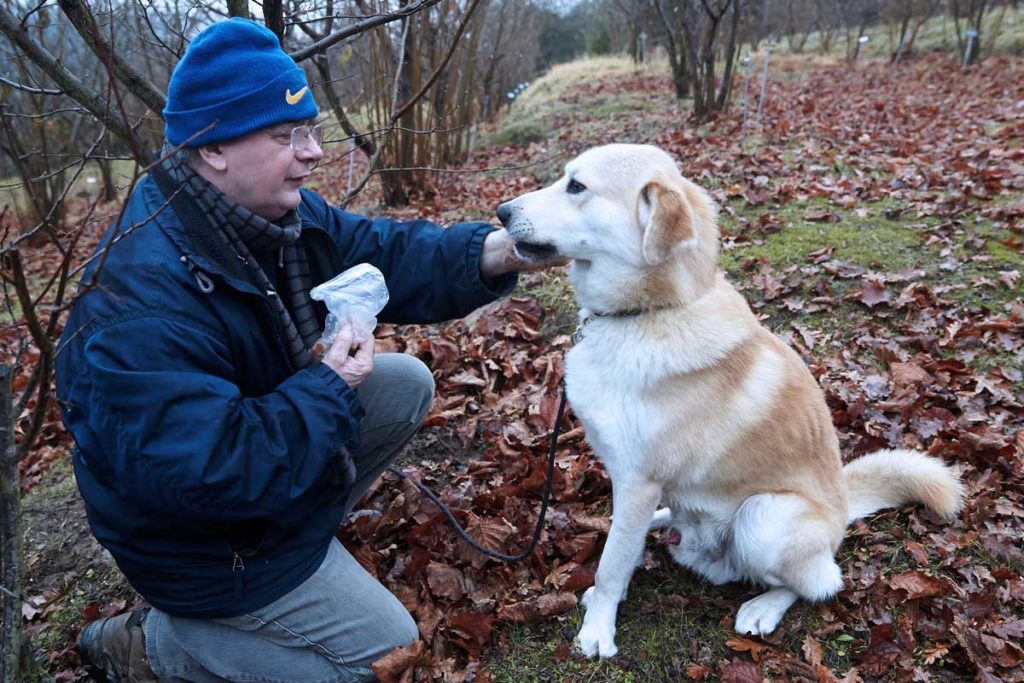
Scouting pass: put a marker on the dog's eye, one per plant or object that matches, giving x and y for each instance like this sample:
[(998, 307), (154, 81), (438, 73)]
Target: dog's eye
[(575, 187)]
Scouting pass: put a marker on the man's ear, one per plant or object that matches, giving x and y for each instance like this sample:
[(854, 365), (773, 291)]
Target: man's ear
[(213, 156), (666, 219)]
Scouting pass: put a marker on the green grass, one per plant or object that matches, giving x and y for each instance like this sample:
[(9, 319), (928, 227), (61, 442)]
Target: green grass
[(536, 113), (553, 293), (874, 241), (880, 244), (665, 624), (1001, 33)]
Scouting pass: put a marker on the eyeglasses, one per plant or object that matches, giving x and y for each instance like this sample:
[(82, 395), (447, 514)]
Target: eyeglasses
[(299, 136)]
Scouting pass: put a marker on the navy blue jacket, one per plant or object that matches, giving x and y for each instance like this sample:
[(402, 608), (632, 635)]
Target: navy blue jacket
[(213, 470)]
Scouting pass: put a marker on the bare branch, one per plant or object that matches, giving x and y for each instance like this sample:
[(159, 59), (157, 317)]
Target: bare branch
[(355, 29), (362, 140), (26, 88), (391, 122), (14, 273), (444, 62), (83, 21), (18, 35)]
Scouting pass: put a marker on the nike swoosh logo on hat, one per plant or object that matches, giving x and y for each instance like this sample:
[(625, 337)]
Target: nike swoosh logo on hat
[(294, 99)]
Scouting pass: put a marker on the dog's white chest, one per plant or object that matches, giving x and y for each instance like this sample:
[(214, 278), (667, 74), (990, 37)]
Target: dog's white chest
[(607, 392)]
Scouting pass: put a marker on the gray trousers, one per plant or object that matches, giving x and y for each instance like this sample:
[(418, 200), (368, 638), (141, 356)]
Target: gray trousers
[(341, 619)]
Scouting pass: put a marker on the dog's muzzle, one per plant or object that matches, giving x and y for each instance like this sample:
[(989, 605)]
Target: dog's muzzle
[(674, 537), (520, 231), (535, 252)]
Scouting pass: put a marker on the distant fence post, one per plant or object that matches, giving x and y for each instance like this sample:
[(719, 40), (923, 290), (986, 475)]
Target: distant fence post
[(745, 62), (861, 42), (972, 35), (351, 162), (769, 47)]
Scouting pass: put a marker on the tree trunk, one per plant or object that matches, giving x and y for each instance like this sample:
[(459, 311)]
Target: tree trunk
[(676, 57), (395, 183), (730, 58), (238, 8), (273, 17), (108, 192), (974, 46), (902, 34), (13, 664)]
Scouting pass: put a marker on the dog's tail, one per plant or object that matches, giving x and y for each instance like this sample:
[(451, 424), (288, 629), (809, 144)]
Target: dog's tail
[(890, 478)]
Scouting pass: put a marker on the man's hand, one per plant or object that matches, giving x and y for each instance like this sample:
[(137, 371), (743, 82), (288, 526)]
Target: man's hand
[(499, 257), (352, 361)]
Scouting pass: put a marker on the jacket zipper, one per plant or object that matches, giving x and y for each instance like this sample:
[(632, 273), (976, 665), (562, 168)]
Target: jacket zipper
[(237, 569), (202, 279)]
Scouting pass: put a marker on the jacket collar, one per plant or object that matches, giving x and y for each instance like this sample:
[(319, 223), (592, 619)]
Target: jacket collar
[(200, 248)]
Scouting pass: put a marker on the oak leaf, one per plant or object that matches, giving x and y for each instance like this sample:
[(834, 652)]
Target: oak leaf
[(391, 667), (445, 581)]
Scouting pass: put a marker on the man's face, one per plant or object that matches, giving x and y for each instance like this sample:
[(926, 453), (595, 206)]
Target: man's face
[(260, 171)]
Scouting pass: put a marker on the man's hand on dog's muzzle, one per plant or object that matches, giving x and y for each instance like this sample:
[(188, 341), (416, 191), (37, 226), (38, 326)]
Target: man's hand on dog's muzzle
[(499, 256)]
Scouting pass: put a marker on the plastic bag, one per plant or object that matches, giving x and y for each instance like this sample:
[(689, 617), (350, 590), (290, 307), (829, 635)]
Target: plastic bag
[(354, 297)]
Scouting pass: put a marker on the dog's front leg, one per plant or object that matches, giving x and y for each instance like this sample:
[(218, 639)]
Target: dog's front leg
[(635, 503)]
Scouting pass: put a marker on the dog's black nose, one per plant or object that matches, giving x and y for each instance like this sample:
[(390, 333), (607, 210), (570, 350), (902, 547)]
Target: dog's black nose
[(504, 213)]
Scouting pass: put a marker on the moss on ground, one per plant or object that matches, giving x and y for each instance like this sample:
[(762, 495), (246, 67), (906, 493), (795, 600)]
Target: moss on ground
[(872, 241), (669, 620)]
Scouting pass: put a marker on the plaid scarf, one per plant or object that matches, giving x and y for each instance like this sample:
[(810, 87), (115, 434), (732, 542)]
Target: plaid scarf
[(244, 232)]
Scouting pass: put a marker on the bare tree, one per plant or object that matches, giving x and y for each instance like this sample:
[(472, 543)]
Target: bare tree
[(967, 22), (827, 22), (856, 17), (85, 86), (798, 24), (699, 30), (905, 19), (630, 15)]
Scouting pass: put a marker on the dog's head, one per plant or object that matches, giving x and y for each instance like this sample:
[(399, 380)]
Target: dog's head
[(631, 223)]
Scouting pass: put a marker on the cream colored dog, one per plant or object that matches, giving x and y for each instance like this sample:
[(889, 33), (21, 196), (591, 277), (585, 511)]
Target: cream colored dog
[(691, 403)]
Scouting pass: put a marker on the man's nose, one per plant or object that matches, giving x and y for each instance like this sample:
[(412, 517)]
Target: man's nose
[(504, 213), (312, 151)]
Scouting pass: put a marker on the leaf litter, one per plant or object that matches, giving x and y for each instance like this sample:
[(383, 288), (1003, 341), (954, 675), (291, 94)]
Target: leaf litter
[(922, 599)]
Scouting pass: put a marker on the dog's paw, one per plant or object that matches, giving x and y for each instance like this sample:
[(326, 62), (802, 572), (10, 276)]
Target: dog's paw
[(588, 595), (761, 615), (596, 640)]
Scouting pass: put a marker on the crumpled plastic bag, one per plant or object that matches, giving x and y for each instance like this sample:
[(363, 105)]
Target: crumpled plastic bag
[(354, 297)]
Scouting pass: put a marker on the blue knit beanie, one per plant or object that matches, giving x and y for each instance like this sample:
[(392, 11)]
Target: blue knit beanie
[(235, 76)]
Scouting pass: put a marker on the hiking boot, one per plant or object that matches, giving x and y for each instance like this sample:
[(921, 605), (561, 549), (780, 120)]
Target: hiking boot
[(113, 650)]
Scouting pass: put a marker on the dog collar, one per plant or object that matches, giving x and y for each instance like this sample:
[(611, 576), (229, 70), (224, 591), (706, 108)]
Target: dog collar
[(580, 332)]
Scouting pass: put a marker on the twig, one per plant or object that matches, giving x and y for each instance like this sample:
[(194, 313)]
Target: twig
[(355, 29), (391, 118), (18, 35), (46, 219), (470, 170), (81, 18), (26, 88), (444, 62)]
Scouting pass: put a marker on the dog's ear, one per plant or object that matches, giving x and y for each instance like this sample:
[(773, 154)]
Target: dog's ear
[(666, 218)]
